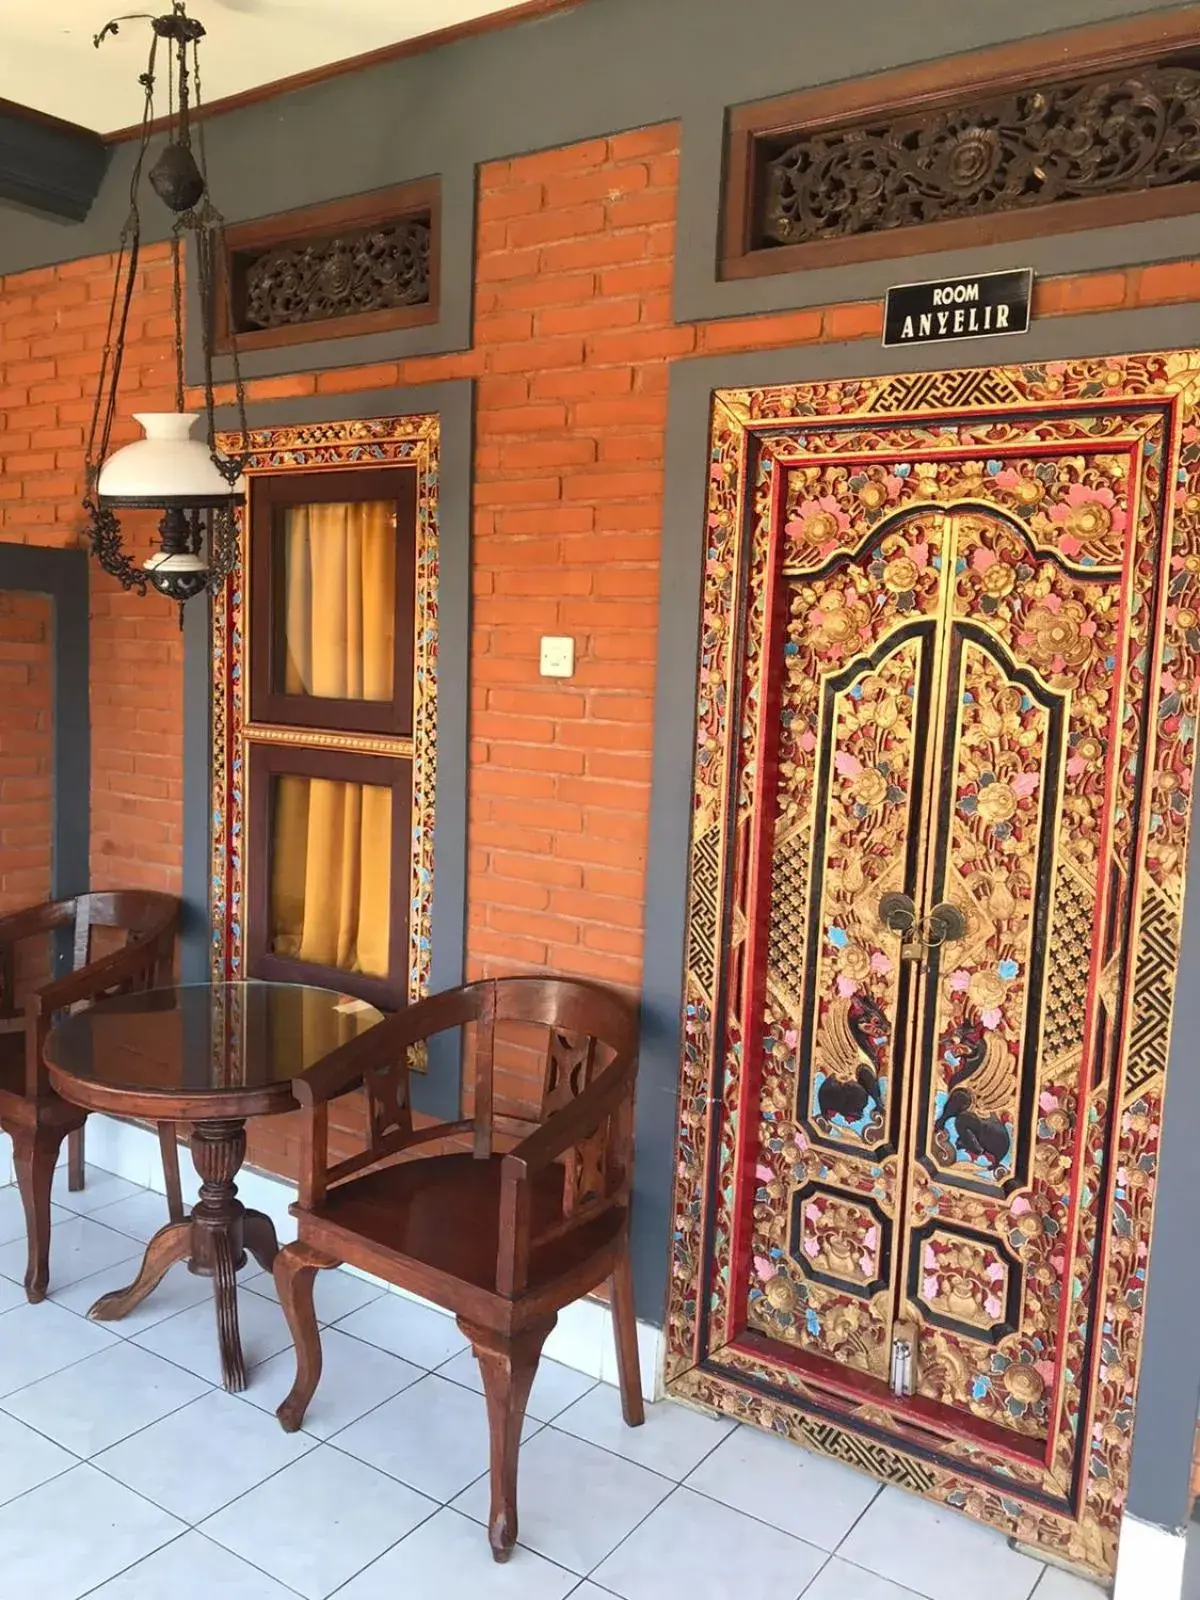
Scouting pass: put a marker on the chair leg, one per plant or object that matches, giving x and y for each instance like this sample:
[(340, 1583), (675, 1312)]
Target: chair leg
[(508, 1365), (168, 1144), (35, 1156), (629, 1366), (75, 1160), (295, 1268)]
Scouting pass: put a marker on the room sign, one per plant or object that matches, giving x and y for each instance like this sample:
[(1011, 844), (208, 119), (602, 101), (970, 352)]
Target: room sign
[(958, 308)]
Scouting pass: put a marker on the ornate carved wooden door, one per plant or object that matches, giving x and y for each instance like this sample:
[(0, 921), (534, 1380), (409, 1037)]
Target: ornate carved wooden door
[(945, 745)]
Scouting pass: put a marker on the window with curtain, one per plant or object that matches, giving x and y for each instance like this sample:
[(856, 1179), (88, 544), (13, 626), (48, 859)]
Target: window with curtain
[(332, 585)]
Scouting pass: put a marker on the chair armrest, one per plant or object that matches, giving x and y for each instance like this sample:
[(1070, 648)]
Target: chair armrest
[(88, 983), (26, 924), (573, 1123)]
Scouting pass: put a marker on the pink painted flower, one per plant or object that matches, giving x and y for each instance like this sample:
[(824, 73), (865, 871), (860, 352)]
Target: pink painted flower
[(818, 522), (1076, 766), (992, 1306), (846, 987), (871, 1238), (995, 1272), (1085, 514), (763, 1174), (764, 1268), (849, 766), (1020, 1206), (958, 981), (811, 1247), (1024, 784), (991, 1018), (930, 1288), (807, 741), (1048, 1101), (881, 963), (982, 558)]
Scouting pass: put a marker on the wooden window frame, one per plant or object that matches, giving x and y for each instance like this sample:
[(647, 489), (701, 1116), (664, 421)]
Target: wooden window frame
[(421, 198), (270, 496), (269, 761), (1131, 41)]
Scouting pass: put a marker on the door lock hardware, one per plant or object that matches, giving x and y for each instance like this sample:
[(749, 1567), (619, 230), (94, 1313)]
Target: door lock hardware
[(944, 925)]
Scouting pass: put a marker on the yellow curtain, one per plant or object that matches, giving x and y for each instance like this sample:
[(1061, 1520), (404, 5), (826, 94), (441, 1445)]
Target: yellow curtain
[(331, 850)]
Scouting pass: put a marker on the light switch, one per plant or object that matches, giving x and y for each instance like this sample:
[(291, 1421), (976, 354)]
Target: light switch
[(558, 657)]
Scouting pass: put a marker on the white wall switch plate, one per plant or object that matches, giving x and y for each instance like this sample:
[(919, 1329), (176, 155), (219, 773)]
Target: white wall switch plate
[(557, 658)]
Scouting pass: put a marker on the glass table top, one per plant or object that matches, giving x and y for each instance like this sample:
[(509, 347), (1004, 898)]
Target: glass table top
[(207, 1038)]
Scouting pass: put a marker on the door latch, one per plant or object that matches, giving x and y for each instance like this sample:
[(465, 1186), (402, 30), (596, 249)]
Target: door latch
[(904, 1358)]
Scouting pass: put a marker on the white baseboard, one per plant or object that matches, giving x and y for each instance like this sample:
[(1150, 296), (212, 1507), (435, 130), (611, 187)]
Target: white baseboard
[(1149, 1561), (582, 1340)]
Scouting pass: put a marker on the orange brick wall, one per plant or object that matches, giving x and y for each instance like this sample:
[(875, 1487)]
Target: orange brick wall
[(572, 347), (26, 765), (26, 748)]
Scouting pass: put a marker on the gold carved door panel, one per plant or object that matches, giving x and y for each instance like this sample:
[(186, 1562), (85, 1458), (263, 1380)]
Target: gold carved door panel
[(946, 717)]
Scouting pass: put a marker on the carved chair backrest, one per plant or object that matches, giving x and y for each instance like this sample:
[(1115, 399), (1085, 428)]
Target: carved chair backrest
[(583, 1029), (142, 915), (147, 919)]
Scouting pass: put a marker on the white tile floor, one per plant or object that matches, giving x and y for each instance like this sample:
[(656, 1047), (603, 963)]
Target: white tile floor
[(125, 1474)]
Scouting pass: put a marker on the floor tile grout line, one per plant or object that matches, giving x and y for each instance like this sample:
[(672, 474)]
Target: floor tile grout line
[(879, 1487), (113, 1576)]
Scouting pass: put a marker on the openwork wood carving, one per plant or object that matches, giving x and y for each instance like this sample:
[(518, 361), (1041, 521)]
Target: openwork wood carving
[(1100, 135), (373, 269)]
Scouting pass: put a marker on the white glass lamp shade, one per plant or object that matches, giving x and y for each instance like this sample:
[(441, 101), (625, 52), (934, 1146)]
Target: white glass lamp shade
[(166, 468)]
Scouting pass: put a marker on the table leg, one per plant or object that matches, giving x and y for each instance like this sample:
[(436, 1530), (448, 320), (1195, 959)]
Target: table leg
[(213, 1241), (218, 1150), (169, 1245)]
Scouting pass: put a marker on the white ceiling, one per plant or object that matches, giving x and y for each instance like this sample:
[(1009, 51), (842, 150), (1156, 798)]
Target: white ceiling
[(47, 60)]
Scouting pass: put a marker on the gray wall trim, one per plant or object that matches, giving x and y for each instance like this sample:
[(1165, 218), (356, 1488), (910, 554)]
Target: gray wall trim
[(535, 86), (455, 404), (63, 576), (1170, 1381), (451, 331)]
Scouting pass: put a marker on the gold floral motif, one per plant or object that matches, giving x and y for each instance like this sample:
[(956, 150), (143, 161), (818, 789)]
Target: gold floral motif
[(870, 788), (1055, 635), (998, 580), (985, 989), (834, 622), (901, 575)]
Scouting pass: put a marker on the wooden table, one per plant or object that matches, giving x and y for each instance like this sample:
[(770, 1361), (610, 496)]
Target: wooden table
[(212, 1056)]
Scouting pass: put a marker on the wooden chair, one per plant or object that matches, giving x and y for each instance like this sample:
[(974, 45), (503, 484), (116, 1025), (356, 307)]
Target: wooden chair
[(30, 1111), (503, 1240)]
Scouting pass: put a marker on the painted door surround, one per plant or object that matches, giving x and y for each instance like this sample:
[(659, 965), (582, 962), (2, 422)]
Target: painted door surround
[(948, 640)]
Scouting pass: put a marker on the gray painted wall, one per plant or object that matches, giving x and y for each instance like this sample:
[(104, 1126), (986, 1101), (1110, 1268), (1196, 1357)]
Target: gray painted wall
[(609, 65), (63, 576)]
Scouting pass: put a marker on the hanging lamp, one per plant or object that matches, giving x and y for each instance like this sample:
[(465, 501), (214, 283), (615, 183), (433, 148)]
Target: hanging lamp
[(174, 468)]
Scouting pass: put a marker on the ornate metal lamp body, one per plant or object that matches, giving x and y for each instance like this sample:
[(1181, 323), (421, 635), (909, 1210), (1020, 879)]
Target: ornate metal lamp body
[(196, 488)]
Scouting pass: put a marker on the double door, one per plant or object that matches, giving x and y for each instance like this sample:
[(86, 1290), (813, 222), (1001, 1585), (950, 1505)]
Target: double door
[(938, 698), (945, 731)]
